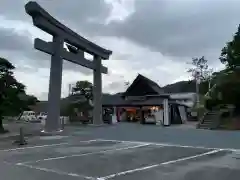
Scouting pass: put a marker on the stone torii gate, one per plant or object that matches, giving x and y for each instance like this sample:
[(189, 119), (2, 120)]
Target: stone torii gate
[(78, 45)]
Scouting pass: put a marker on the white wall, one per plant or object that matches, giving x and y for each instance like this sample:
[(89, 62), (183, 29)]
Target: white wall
[(159, 117), (183, 113), (188, 99)]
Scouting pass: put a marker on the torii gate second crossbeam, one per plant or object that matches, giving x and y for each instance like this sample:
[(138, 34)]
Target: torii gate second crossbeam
[(44, 21)]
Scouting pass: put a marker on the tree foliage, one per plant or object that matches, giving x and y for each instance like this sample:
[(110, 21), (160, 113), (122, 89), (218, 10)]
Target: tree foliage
[(82, 94), (200, 68), (229, 87), (84, 88), (11, 91), (27, 101), (228, 80), (230, 54), (201, 71)]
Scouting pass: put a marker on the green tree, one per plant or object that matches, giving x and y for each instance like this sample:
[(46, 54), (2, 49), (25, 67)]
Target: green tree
[(10, 89), (199, 67), (25, 102), (201, 70), (229, 88), (84, 88), (228, 84), (82, 94), (230, 55)]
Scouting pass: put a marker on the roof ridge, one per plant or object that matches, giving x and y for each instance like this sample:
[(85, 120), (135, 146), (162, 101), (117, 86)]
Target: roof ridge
[(149, 80)]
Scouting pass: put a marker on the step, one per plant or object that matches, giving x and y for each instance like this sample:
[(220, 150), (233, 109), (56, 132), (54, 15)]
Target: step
[(207, 120), (205, 124), (212, 113), (210, 117), (204, 127)]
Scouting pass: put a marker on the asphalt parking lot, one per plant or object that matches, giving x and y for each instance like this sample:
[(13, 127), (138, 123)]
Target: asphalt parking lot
[(71, 158)]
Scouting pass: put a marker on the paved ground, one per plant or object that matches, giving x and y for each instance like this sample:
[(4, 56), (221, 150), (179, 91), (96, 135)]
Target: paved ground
[(172, 135), (126, 151), (14, 128)]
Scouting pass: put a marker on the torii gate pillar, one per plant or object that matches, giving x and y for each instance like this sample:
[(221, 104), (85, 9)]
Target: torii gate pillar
[(97, 91), (55, 83)]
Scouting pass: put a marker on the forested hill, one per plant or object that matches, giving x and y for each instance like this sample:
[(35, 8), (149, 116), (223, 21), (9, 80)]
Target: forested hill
[(179, 87)]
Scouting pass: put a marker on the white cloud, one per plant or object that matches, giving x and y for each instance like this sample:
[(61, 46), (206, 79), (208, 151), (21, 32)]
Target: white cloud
[(146, 27), (37, 83), (160, 68), (121, 9)]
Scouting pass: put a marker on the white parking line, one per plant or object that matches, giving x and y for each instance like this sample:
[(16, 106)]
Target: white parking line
[(57, 172), (159, 144), (42, 146), (157, 165), (192, 157), (84, 154), (172, 145), (32, 147)]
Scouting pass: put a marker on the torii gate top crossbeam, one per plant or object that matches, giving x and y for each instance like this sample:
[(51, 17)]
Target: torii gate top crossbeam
[(43, 20)]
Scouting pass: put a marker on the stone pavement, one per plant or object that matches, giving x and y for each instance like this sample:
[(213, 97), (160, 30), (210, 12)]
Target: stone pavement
[(14, 129), (72, 158), (186, 125), (125, 151), (158, 134), (151, 133)]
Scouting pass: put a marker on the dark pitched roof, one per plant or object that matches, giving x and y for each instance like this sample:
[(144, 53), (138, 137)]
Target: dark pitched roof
[(40, 107), (112, 99), (148, 80), (118, 100), (149, 102), (153, 84), (155, 87)]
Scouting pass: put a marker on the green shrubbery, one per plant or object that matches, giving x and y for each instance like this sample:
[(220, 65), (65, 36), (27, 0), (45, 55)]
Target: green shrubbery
[(211, 103)]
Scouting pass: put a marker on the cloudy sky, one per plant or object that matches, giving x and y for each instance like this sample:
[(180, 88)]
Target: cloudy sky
[(152, 37)]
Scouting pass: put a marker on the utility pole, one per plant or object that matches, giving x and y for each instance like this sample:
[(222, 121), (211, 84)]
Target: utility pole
[(197, 80), (209, 85), (209, 76), (69, 89)]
